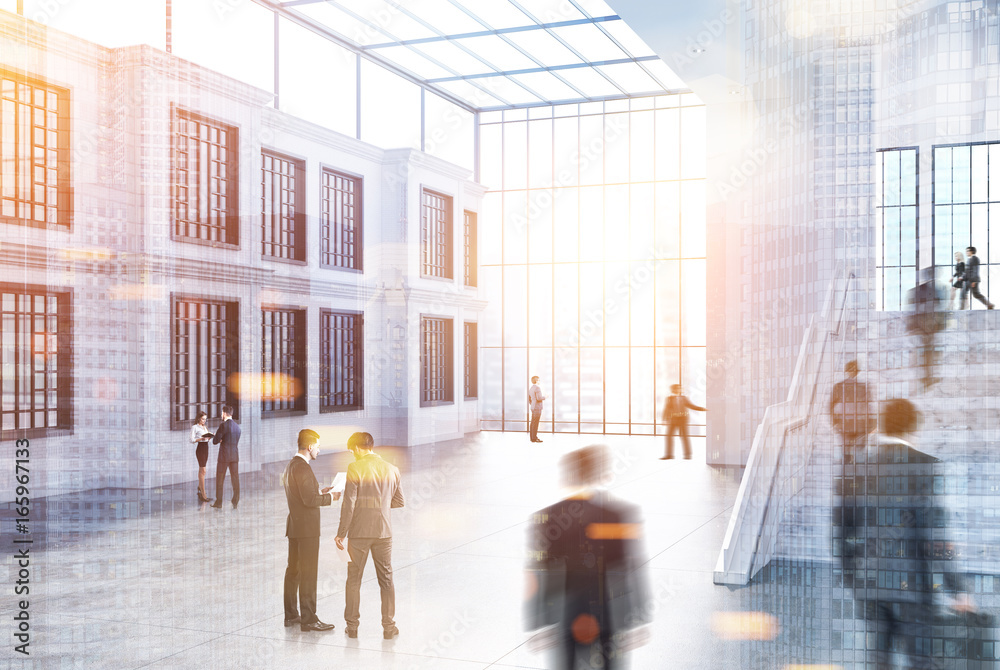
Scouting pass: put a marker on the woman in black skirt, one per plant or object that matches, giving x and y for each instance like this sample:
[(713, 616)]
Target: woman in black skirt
[(201, 436), (957, 280)]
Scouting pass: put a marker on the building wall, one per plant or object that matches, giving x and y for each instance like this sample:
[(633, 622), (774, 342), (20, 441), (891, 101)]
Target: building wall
[(122, 264)]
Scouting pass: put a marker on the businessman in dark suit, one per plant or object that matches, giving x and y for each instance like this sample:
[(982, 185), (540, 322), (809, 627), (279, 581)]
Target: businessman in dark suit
[(972, 279), (372, 491), (228, 439), (586, 587), (676, 414), (302, 530)]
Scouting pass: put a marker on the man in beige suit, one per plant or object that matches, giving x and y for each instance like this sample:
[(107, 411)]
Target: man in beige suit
[(372, 490)]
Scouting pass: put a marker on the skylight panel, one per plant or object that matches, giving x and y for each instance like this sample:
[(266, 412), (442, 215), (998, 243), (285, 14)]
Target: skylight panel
[(508, 90), (589, 41), (630, 77), (544, 47), (552, 11), (458, 60), (662, 72), (590, 82), (343, 23), (416, 63), (444, 16), (498, 52), (497, 13), (595, 7), (548, 85), (476, 96), (387, 17), (627, 38)]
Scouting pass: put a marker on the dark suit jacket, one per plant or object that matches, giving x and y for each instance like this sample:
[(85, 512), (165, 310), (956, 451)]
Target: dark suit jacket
[(894, 527), (972, 269), (304, 499), (585, 558), (372, 490), (677, 408), (229, 435)]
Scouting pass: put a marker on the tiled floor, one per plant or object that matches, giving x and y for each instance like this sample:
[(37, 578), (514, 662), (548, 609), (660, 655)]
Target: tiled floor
[(181, 585)]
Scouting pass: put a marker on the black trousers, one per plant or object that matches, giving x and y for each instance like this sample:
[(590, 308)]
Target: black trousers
[(967, 288), (533, 428), (220, 480), (300, 578), (680, 427)]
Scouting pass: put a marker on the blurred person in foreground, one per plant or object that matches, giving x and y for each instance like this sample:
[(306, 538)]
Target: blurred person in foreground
[(895, 552), (586, 589), (372, 490)]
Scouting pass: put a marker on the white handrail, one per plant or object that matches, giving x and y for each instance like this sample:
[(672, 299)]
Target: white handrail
[(774, 471)]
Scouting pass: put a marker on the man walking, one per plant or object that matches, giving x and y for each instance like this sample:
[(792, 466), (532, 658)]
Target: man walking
[(972, 279), (228, 439), (302, 530), (372, 490), (535, 400), (848, 409), (675, 413)]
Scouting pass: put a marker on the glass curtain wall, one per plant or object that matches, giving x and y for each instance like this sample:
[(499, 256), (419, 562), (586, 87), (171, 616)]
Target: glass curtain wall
[(592, 257)]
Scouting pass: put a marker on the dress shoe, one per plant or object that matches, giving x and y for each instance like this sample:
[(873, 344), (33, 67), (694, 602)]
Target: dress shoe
[(666, 458), (537, 440), (390, 633), (235, 505), (291, 622), (351, 632), (217, 505), (317, 626)]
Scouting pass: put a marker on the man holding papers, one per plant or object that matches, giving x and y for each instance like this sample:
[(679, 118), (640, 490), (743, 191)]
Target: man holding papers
[(302, 529), (372, 490)]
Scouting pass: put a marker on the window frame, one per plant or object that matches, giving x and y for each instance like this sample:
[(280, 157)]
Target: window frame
[(325, 243), (447, 357), (471, 370), (64, 359), (299, 202), (232, 355), (325, 371), (448, 227), (64, 163), (471, 248), (300, 366), (232, 217)]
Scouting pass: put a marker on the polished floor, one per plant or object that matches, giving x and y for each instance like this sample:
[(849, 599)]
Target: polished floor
[(153, 579)]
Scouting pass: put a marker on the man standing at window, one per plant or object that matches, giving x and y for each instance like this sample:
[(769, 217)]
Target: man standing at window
[(535, 400), (228, 439), (972, 279), (372, 491), (675, 413), (302, 530)]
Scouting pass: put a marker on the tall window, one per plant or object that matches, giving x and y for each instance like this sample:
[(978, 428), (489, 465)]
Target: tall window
[(205, 356), (592, 257), (283, 360), (34, 152), (471, 361), (206, 183), (340, 221), (435, 235), (35, 358), (283, 207), (341, 360), (471, 253), (896, 226), (967, 210), (436, 371)]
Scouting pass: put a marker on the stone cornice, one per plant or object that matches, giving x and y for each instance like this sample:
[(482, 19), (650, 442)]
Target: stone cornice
[(49, 40), (283, 122), (433, 163)]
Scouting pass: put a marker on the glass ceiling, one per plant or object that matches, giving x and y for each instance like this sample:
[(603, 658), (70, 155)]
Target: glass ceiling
[(494, 54)]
